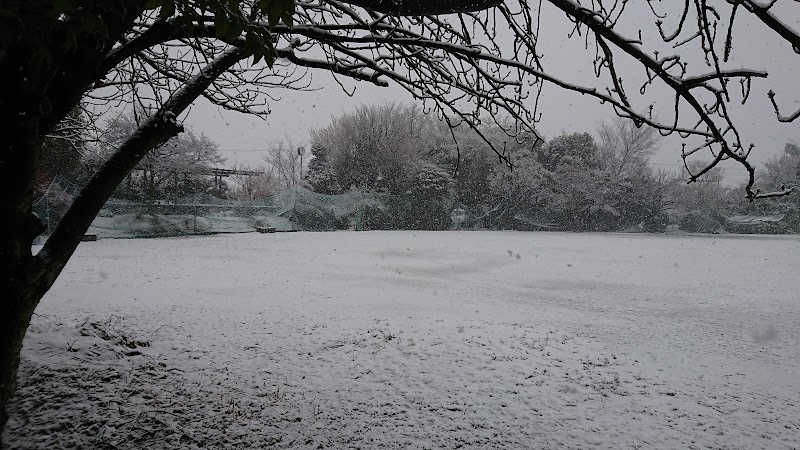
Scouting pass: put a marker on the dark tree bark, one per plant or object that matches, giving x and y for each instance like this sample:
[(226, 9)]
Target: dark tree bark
[(18, 228), (424, 7), (43, 75), (28, 277)]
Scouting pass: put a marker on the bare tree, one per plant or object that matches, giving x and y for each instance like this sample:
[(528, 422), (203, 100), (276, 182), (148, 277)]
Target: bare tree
[(285, 160), (163, 54), (175, 169), (624, 147), (472, 65), (253, 187)]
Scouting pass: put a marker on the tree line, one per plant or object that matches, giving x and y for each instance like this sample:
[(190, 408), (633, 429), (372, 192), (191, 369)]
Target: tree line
[(579, 181), (443, 178)]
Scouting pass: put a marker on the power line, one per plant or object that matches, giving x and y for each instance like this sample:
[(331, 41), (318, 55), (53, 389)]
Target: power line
[(242, 150)]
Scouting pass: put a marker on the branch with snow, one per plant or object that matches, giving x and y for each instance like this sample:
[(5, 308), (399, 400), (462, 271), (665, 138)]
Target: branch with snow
[(457, 64)]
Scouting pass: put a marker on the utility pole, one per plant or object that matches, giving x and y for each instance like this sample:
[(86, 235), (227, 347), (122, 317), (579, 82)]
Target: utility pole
[(300, 152), (298, 177)]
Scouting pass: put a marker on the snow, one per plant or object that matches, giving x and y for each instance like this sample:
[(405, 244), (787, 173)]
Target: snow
[(417, 340)]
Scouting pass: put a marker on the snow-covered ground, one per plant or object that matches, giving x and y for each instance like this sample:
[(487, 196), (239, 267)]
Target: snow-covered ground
[(417, 340)]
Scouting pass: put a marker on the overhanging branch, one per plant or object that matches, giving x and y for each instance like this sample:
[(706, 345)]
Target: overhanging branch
[(423, 7), (156, 130)]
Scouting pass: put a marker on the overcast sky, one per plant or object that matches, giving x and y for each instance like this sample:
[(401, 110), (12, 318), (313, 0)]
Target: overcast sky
[(242, 138)]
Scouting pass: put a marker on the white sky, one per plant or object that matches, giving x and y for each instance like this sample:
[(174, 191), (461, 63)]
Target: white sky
[(243, 138)]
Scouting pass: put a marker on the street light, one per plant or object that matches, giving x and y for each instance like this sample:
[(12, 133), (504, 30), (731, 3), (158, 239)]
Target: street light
[(300, 152)]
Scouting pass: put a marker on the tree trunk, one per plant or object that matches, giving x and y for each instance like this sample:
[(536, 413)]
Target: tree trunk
[(25, 278), (151, 186), (18, 228), (15, 316)]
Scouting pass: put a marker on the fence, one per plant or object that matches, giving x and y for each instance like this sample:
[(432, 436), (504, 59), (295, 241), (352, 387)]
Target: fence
[(51, 205), (301, 209), (293, 209)]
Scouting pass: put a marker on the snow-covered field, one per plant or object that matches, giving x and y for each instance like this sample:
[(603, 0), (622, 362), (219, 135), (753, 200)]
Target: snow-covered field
[(417, 340)]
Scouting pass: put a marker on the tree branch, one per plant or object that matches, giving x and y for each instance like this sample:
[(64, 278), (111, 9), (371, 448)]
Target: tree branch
[(152, 133), (763, 14), (782, 193), (160, 31), (423, 7), (781, 117), (590, 19)]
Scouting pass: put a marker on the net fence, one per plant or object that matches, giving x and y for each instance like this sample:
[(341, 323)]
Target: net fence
[(298, 208), (293, 209)]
